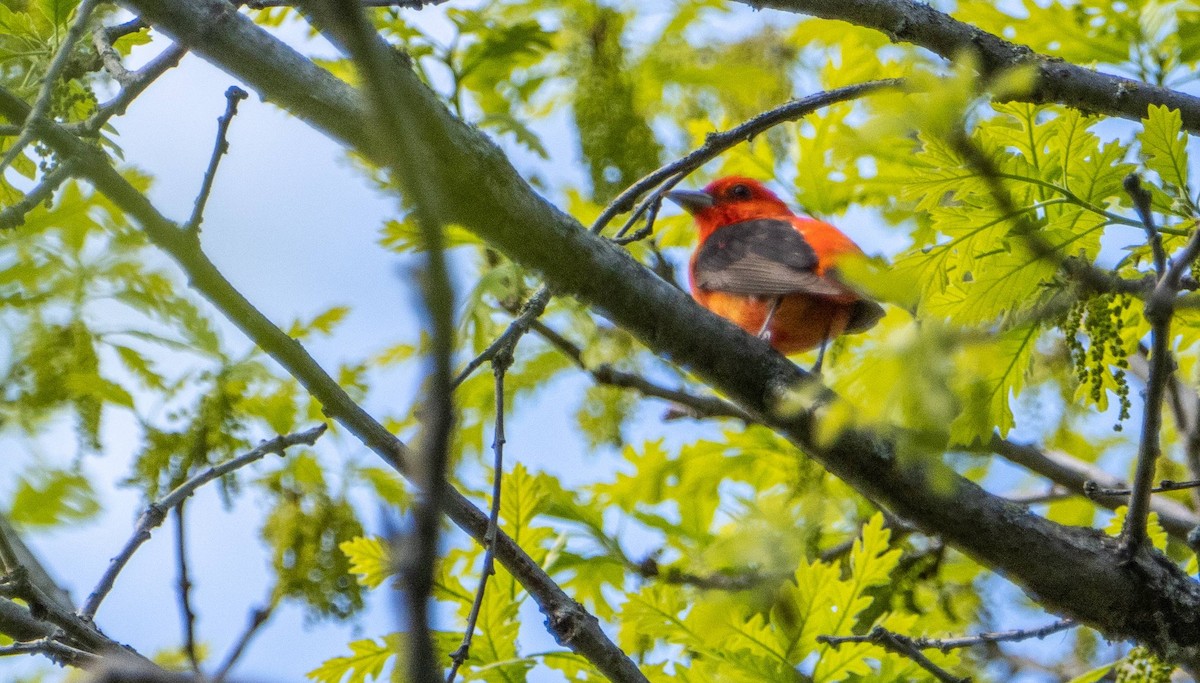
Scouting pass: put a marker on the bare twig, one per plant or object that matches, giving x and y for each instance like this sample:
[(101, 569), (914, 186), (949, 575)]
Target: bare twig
[(533, 308), (1141, 203), (102, 41), (1094, 490), (722, 581), (156, 512), (187, 615), (919, 23), (14, 215), (1074, 475), (500, 364), (897, 644), (1185, 406), (1159, 310), (57, 652), (232, 96), (132, 86), (1055, 492), (258, 618), (698, 406), (669, 175), (949, 643)]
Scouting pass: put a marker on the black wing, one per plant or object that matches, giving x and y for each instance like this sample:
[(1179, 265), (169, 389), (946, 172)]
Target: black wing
[(762, 257)]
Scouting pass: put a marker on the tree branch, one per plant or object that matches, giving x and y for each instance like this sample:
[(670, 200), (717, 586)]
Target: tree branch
[(910, 21), (57, 652), (1075, 475), (1159, 310), (258, 617), (41, 104), (184, 585), (898, 644), (500, 364), (132, 85), (232, 96), (947, 644), (13, 215), (666, 177), (156, 512)]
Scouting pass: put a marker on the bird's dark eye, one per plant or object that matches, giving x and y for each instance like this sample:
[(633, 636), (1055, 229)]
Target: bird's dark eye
[(739, 192)]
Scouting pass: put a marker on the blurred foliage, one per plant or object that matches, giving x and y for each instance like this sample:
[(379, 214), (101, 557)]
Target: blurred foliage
[(986, 334)]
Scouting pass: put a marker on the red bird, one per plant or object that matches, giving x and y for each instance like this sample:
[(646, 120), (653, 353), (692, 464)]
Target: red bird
[(769, 271)]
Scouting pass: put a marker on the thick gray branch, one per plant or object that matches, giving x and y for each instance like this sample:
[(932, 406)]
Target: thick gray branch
[(909, 21)]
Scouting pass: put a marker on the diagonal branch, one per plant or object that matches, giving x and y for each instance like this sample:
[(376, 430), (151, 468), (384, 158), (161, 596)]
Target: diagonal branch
[(910, 21), (156, 513)]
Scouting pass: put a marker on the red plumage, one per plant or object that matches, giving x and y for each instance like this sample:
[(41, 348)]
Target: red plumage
[(758, 263)]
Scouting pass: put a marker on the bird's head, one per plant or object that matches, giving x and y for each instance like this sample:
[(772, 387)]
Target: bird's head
[(729, 200)]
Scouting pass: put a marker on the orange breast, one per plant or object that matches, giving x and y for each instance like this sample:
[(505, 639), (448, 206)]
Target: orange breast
[(800, 323)]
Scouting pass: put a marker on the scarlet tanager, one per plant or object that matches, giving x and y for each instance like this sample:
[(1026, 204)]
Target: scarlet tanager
[(769, 271)]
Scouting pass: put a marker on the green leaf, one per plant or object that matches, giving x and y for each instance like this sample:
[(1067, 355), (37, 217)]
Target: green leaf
[(366, 661), (1094, 675), (990, 375), (369, 559), (59, 11), (1164, 149), (53, 497)]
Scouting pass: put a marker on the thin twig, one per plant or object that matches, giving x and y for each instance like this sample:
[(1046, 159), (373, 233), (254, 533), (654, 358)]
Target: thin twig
[(59, 653), (721, 581), (187, 615), (719, 142), (1159, 310), (156, 512), (1142, 204), (1094, 490), (699, 406), (897, 644), (14, 215), (258, 618), (1185, 405), (134, 85), (1074, 474), (103, 40), (501, 361), (533, 308), (232, 96), (948, 644)]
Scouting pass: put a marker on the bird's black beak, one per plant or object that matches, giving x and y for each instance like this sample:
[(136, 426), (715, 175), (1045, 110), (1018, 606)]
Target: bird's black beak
[(692, 201)]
